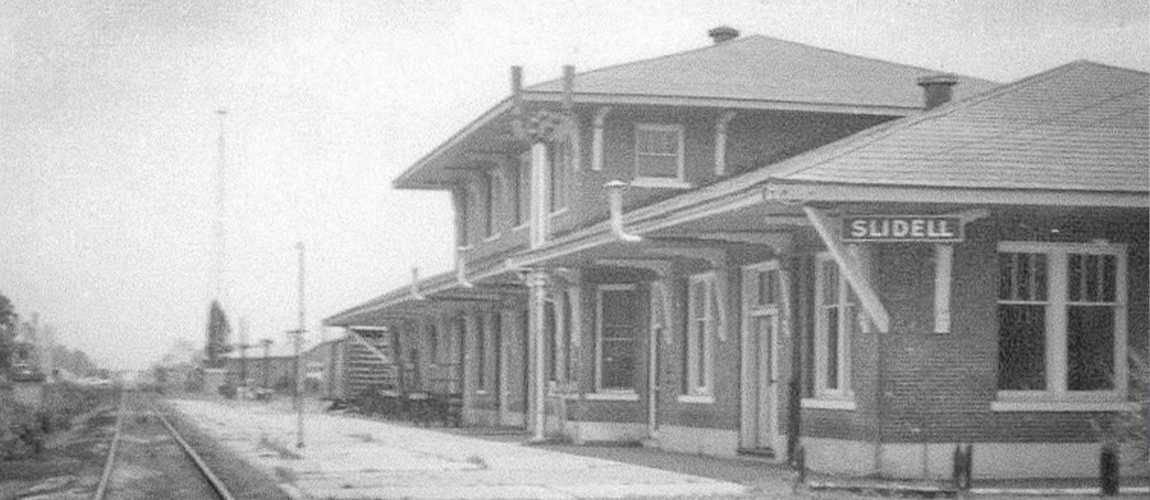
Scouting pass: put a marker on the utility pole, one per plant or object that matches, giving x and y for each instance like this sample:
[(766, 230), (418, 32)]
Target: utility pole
[(297, 340), (244, 352), (267, 344), (220, 229)]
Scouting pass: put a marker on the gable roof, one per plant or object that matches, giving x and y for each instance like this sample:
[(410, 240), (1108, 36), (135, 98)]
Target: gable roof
[(1081, 126), (761, 68)]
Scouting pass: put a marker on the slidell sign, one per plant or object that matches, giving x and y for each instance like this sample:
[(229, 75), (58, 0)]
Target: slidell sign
[(902, 228)]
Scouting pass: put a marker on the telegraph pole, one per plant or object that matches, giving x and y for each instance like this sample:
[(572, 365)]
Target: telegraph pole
[(219, 228), (297, 340)]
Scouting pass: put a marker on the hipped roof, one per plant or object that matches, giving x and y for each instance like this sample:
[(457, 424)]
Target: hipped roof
[(1082, 126), (752, 72), (761, 68)]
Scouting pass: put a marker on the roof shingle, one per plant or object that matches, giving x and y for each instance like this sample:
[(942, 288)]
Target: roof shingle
[(761, 68), (1081, 126)]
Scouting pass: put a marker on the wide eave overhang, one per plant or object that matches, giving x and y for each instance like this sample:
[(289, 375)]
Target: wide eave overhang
[(491, 131), (429, 296)]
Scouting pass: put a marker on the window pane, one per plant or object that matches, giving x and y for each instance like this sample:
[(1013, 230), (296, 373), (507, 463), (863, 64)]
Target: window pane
[(1039, 288), (659, 166), (549, 339), (830, 283), (832, 347), (698, 299), (763, 288), (657, 142), (1090, 348), (618, 364), (1005, 276), (1091, 284), (1109, 278), (1074, 277), (513, 192), (618, 308), (768, 287), (700, 354), (524, 187), (1021, 347), (1022, 274), (481, 348)]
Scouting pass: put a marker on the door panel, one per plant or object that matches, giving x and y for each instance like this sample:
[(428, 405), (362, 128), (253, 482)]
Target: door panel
[(763, 300)]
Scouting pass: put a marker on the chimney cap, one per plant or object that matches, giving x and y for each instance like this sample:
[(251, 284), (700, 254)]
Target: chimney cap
[(938, 79), (722, 34)]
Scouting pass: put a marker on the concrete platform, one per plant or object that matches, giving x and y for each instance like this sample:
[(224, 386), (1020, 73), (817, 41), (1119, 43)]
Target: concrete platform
[(352, 458)]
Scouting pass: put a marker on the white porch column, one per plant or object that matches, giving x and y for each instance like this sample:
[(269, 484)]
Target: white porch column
[(540, 201), (537, 295)]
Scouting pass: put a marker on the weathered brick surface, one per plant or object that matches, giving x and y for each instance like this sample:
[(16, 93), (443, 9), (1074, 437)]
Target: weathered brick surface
[(938, 387)]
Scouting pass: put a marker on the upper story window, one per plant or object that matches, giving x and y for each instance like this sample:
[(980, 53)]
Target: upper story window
[(1061, 322), (659, 155), (562, 163)]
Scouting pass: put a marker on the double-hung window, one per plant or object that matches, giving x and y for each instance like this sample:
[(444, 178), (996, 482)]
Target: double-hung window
[(1061, 322), (659, 155), (700, 334), (617, 331), (562, 163), (836, 316)]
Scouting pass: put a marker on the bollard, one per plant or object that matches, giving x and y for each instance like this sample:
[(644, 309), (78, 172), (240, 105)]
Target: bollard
[(1108, 475)]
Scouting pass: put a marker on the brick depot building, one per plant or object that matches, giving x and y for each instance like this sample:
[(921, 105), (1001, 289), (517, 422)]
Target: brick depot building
[(761, 245)]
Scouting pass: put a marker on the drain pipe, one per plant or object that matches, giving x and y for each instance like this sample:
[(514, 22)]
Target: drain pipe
[(615, 204)]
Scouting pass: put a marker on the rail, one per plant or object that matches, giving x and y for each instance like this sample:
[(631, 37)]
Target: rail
[(201, 466)]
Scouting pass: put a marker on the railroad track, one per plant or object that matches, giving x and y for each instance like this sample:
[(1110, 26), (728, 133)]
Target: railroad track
[(149, 458)]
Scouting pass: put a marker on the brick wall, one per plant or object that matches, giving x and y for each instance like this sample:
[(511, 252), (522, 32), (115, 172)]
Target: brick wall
[(938, 387)]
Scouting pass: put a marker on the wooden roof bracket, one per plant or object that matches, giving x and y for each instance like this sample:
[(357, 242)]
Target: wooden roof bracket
[(850, 267), (661, 268), (718, 260), (615, 205)]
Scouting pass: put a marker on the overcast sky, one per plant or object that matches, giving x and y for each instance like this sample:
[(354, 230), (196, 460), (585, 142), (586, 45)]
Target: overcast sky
[(108, 133)]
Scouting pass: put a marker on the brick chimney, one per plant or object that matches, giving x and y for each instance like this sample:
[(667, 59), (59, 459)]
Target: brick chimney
[(936, 89), (723, 34)]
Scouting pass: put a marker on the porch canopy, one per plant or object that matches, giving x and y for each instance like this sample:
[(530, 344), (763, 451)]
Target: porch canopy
[(1074, 137)]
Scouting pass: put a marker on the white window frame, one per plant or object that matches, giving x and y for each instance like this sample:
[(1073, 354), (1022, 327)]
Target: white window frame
[(680, 181), (1056, 396), (708, 320), (599, 389), (566, 171), (847, 324)]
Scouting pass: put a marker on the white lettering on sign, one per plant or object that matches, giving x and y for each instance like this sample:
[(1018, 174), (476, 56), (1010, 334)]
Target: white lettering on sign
[(933, 229)]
